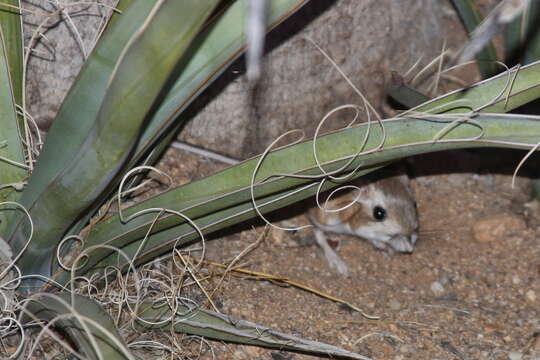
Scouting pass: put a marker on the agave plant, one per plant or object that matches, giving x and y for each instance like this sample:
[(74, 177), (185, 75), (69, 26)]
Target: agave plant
[(153, 59)]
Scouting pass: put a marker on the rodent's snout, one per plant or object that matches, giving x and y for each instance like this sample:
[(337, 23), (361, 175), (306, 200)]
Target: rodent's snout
[(404, 244)]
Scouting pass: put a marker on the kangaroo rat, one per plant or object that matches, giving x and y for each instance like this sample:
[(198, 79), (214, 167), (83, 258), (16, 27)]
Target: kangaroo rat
[(383, 212)]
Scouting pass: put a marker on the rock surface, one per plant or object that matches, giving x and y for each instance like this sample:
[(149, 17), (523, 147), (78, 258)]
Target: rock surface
[(497, 227), (299, 86)]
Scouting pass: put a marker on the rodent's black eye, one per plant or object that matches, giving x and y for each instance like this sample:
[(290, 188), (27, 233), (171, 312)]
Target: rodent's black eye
[(379, 213)]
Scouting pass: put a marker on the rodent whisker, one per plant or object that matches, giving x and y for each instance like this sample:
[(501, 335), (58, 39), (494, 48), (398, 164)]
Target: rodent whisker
[(428, 231), (431, 233)]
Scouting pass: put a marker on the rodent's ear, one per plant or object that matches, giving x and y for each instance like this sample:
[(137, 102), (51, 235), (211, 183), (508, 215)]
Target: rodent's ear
[(403, 178)]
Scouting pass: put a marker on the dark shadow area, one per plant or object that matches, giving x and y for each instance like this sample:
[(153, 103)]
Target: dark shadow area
[(518, 55), (478, 161)]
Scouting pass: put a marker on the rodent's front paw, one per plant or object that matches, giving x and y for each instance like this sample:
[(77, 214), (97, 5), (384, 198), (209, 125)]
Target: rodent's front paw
[(332, 258), (381, 245), (335, 262)]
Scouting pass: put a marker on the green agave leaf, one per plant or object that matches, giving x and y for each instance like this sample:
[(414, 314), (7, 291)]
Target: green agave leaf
[(86, 324), (522, 38), (470, 17), (501, 93), (102, 60), (224, 199), (143, 67), (79, 111), (11, 26), (82, 102), (212, 325), (13, 171)]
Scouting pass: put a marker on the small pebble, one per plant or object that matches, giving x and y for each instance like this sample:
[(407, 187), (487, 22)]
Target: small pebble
[(437, 288), (395, 305), (530, 295), (405, 348), (514, 355), (516, 280), (496, 227)]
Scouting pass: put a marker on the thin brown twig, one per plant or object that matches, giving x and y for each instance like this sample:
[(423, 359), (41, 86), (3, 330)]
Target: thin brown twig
[(188, 266), (283, 281), (247, 250)]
